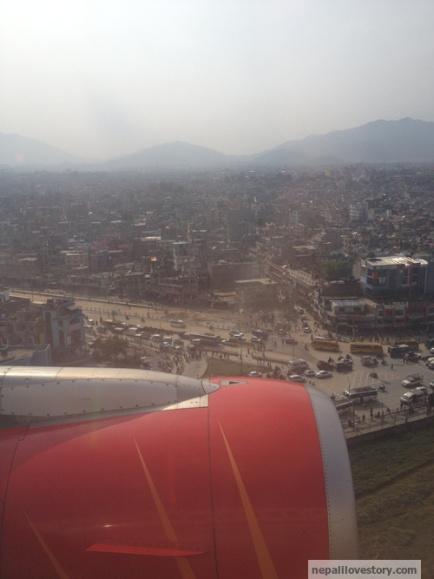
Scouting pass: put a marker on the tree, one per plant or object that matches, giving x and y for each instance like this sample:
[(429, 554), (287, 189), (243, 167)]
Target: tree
[(338, 268), (110, 349)]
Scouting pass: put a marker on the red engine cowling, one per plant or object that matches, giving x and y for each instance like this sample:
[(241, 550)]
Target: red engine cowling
[(252, 480)]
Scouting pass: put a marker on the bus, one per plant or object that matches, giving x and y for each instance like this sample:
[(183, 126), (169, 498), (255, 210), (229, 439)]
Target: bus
[(361, 394), (399, 350), (344, 405), (325, 345), (366, 348), (206, 339), (412, 345)]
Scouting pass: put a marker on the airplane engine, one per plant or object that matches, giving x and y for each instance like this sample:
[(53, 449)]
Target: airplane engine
[(129, 474)]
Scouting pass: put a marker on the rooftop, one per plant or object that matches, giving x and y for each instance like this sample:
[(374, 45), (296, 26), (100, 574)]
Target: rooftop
[(256, 281), (394, 260)]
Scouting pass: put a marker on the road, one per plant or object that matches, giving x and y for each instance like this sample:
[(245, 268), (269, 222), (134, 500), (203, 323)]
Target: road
[(277, 352)]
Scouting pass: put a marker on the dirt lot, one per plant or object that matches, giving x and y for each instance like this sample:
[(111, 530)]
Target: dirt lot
[(394, 482), (217, 367)]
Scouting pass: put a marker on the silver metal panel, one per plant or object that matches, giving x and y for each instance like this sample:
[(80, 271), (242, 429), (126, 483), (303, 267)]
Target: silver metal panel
[(342, 522), (200, 402), (40, 392)]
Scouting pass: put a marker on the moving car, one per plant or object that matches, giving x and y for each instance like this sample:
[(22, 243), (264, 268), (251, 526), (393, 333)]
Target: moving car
[(310, 373), (412, 356), (369, 361), (323, 374), (236, 333), (300, 363), (296, 378), (344, 364), (430, 363), (258, 333), (416, 397), (412, 381)]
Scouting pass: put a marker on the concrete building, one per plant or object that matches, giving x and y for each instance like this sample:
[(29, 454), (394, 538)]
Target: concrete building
[(394, 277), (260, 292), (64, 327), (223, 274), (22, 356)]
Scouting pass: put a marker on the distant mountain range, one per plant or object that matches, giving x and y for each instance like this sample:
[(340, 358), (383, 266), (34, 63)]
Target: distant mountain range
[(176, 155), (402, 141), (17, 151)]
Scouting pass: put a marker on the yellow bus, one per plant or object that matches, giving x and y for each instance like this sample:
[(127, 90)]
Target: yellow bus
[(366, 348), (325, 345)]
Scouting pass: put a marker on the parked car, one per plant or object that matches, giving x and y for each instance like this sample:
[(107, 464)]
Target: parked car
[(323, 374), (254, 374), (310, 373), (412, 381)]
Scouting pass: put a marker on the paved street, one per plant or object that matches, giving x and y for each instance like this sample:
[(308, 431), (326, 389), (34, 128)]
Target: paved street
[(277, 352)]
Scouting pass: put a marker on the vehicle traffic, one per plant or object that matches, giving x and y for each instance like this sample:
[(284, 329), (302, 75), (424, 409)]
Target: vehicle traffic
[(366, 348), (323, 344)]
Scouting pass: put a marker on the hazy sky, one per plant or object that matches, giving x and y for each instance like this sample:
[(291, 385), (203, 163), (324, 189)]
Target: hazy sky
[(106, 77)]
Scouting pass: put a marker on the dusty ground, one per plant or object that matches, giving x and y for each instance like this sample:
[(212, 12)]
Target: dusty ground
[(394, 483)]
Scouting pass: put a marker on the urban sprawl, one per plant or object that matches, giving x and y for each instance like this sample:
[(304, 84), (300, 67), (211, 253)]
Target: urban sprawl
[(323, 276)]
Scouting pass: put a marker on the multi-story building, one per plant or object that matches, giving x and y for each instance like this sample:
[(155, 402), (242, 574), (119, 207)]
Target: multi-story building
[(64, 328), (395, 277)]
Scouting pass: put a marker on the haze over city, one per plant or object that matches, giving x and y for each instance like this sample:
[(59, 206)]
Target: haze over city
[(103, 79)]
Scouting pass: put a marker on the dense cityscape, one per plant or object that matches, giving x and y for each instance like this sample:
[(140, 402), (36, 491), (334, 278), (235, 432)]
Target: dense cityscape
[(216, 289), (277, 273)]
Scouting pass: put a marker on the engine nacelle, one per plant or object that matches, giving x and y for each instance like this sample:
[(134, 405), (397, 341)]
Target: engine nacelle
[(242, 477)]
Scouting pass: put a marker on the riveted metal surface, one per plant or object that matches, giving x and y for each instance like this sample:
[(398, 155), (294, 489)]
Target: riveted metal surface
[(54, 392)]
